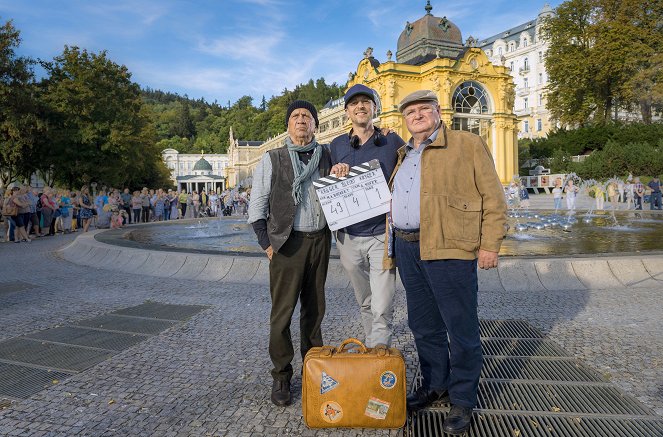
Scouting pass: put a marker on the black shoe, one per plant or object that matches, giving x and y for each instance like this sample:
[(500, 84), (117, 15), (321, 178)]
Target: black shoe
[(458, 420), (424, 397), (281, 393)]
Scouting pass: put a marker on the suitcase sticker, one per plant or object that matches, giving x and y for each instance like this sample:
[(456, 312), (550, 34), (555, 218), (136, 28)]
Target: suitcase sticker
[(327, 384), (376, 408), (331, 412)]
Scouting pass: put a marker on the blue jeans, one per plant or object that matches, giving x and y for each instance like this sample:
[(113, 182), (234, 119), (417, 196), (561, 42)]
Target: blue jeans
[(558, 203), (655, 200), (442, 314)]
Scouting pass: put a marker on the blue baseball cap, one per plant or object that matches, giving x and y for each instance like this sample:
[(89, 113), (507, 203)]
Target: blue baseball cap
[(357, 90)]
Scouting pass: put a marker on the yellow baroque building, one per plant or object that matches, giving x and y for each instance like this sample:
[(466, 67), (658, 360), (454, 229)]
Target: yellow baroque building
[(474, 94)]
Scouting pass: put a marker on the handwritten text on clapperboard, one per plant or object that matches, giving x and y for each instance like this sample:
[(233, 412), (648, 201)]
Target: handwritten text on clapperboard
[(360, 196)]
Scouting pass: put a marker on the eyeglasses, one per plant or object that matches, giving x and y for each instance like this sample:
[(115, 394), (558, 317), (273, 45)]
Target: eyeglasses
[(423, 110)]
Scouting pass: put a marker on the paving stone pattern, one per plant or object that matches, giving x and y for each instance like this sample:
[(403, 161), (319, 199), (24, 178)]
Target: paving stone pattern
[(210, 375)]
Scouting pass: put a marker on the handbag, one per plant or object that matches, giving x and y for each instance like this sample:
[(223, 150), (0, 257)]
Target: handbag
[(10, 209)]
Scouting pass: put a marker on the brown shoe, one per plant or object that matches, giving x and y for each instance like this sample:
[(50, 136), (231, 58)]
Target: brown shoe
[(281, 393)]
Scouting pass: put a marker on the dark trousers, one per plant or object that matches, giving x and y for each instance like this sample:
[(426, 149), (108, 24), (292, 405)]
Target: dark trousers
[(127, 209), (442, 314), (146, 214), (655, 200), (136, 215), (297, 272), (638, 201)]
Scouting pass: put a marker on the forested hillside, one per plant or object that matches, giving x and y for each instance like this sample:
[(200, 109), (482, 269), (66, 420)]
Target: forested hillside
[(190, 126)]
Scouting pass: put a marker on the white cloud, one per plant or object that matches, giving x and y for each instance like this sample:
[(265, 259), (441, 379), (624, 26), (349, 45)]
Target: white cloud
[(260, 48)]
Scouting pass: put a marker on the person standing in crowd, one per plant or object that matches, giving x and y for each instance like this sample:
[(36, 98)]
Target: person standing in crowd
[(145, 198), (557, 194), (183, 203), (655, 196), (23, 218), (449, 215), (214, 203), (174, 201), (33, 198), (571, 192), (195, 201), (136, 206), (638, 193), (86, 208), (291, 228), (48, 208), (126, 204), (361, 245), (64, 204), (612, 194)]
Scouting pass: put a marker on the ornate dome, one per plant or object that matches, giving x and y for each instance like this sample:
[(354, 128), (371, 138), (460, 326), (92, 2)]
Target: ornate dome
[(202, 165), (427, 38)]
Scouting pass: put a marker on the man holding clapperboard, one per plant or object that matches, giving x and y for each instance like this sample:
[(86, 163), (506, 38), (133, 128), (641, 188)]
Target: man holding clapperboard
[(361, 245)]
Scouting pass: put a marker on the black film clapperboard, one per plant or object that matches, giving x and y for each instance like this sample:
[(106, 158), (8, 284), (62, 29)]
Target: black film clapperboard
[(359, 196)]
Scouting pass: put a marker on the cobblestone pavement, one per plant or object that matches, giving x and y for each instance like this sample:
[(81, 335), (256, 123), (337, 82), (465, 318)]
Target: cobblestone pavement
[(210, 375)]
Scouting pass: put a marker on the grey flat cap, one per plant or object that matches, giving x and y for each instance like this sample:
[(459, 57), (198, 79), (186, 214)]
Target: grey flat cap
[(417, 96)]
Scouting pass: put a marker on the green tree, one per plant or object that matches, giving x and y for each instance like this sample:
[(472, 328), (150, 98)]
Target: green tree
[(99, 130), (21, 124), (183, 126), (602, 56)]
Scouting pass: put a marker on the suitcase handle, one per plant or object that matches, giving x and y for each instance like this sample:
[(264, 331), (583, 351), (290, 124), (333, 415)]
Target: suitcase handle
[(350, 340)]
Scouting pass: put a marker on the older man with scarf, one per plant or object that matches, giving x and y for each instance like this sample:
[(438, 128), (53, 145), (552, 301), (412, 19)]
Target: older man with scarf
[(291, 227)]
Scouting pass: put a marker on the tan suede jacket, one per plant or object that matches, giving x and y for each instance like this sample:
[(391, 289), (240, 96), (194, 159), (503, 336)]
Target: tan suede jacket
[(463, 208)]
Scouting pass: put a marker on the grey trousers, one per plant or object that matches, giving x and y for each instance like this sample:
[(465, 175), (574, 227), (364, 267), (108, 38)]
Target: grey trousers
[(374, 286)]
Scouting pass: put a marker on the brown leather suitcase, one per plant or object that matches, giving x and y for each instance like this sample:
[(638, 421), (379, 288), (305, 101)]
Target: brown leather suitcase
[(355, 388)]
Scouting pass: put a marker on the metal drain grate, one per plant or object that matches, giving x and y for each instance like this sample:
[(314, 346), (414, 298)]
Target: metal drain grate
[(71, 349), (12, 286), (70, 358), (508, 329), (585, 399), (164, 311), (127, 324), (429, 423), (541, 369), (531, 387), (79, 336), (22, 382), (521, 347)]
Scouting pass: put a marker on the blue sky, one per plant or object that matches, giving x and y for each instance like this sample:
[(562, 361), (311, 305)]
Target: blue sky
[(225, 49)]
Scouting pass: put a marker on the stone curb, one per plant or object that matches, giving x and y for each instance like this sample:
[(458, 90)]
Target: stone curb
[(519, 274)]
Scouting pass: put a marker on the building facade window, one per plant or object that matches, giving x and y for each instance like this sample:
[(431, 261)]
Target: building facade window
[(540, 78), (513, 66), (540, 56), (472, 108), (499, 51), (526, 126), (526, 64), (540, 99), (525, 83), (526, 103), (539, 125)]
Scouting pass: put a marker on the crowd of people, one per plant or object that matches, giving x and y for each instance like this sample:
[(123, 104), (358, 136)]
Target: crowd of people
[(631, 192), (30, 212)]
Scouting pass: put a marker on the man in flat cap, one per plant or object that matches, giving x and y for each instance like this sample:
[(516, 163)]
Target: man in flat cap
[(361, 245), (291, 227), (448, 213)]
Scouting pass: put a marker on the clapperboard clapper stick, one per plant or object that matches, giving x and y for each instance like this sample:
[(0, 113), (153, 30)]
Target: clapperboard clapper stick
[(359, 196)]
